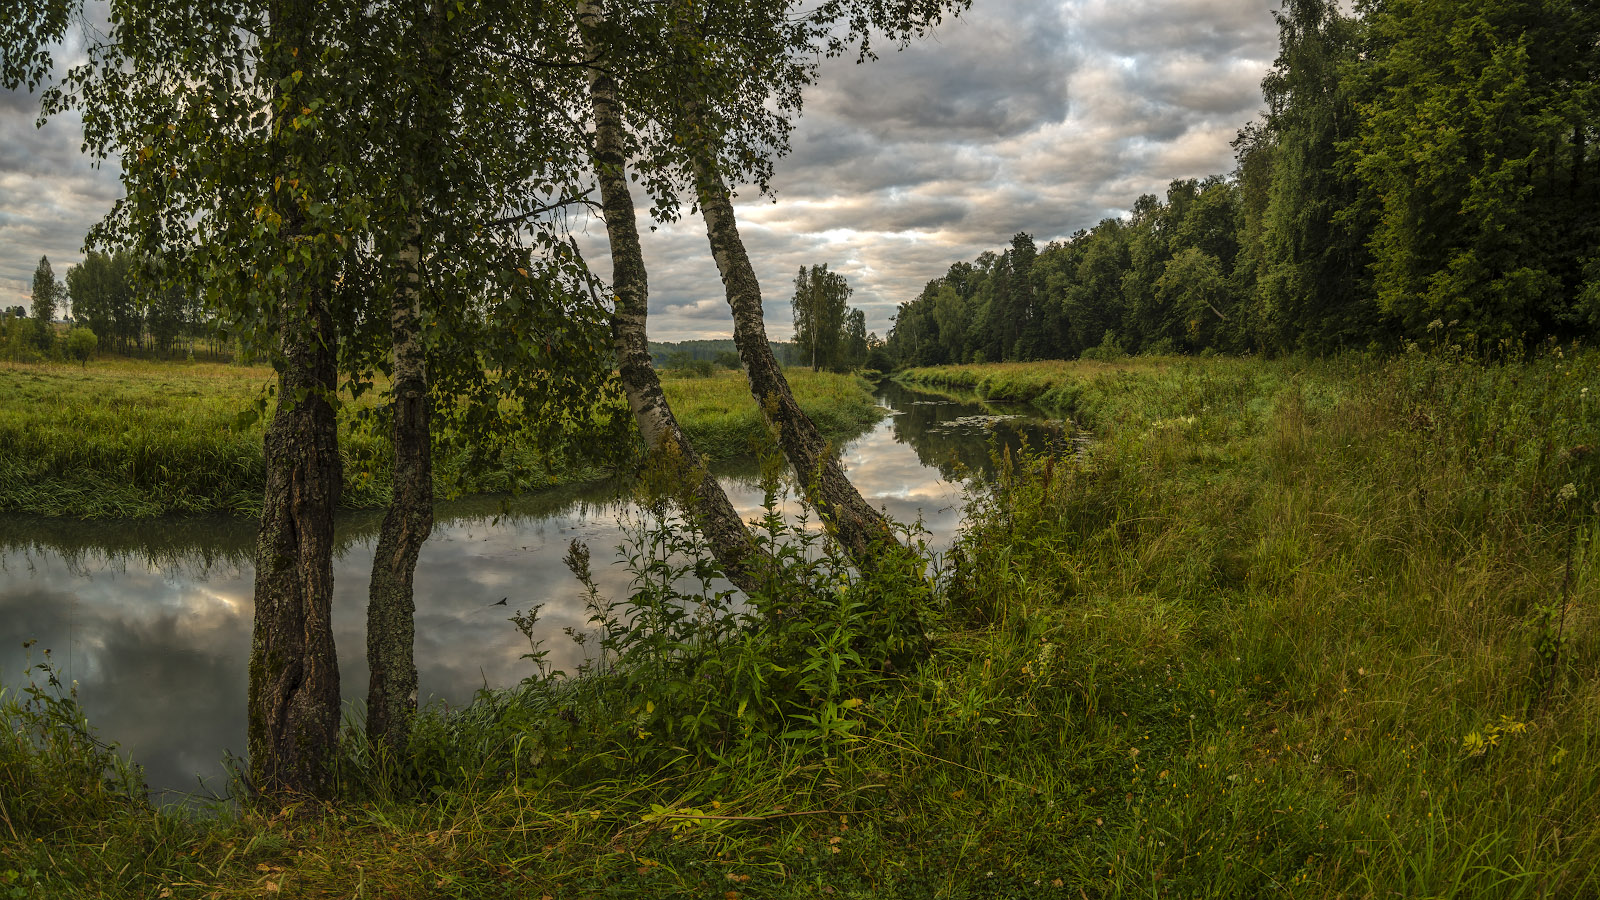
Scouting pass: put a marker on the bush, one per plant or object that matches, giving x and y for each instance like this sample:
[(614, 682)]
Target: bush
[(54, 772), (17, 339), (1110, 349), (686, 366), (81, 344)]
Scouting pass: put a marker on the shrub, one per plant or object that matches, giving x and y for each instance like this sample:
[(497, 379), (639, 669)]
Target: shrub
[(1110, 349), (81, 344)]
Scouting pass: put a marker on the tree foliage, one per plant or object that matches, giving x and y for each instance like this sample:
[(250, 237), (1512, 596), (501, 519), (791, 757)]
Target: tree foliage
[(821, 299), (47, 292)]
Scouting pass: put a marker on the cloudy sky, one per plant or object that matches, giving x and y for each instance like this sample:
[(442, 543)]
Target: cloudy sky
[(1042, 116)]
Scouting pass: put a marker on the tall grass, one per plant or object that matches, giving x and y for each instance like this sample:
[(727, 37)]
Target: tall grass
[(127, 438), (1297, 629)]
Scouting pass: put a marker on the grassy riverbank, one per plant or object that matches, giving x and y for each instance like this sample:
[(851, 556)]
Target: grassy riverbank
[(1297, 629), (1049, 384), (127, 438)]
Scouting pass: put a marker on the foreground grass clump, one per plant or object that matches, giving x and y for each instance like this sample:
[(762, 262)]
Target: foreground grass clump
[(138, 438), (1288, 629)]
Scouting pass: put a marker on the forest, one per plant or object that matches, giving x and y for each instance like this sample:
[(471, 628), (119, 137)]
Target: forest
[(1425, 169)]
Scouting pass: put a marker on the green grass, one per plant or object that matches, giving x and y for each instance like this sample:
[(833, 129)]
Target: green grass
[(127, 438), (1291, 629), (721, 419), (1045, 384)]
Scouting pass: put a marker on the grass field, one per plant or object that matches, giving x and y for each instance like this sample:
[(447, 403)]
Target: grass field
[(1291, 629), (141, 438)]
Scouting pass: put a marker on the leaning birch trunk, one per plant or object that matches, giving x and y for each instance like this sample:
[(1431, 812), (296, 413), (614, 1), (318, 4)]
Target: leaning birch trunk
[(391, 606), (860, 530), (294, 672), (391, 603), (730, 541)]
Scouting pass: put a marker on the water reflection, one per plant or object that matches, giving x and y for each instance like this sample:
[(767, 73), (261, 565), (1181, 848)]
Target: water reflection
[(152, 618), (958, 437)]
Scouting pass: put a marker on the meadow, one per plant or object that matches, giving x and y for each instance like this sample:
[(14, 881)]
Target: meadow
[(1288, 628), (132, 438)]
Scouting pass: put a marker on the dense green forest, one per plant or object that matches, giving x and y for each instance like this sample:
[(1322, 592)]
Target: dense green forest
[(1424, 169)]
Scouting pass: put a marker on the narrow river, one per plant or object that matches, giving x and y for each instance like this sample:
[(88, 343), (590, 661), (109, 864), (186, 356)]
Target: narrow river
[(151, 618)]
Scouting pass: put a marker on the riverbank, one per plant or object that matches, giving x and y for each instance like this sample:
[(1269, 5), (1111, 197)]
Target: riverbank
[(137, 438), (1310, 629)]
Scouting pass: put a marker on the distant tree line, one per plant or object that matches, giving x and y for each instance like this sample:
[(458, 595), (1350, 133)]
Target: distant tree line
[(718, 352), (31, 334), (100, 296), (1425, 168)]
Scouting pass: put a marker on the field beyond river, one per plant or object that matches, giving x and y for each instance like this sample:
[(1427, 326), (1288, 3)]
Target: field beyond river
[(1283, 628), (132, 438)]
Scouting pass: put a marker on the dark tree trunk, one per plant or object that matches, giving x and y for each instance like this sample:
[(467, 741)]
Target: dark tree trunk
[(391, 606), (859, 528), (294, 672), (708, 503)]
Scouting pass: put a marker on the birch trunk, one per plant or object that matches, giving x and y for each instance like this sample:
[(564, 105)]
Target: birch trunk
[(859, 528), (391, 602), (391, 606), (708, 503)]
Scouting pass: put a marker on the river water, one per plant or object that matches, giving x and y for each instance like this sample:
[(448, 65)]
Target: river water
[(151, 618)]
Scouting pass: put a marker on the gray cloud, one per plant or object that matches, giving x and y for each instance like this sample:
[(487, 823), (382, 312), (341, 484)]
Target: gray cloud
[(51, 193), (1023, 115)]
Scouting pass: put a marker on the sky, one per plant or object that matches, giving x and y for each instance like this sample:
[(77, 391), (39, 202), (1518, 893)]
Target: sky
[(1043, 116)]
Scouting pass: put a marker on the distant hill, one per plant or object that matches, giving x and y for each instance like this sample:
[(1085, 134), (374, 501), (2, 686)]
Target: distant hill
[(785, 351)]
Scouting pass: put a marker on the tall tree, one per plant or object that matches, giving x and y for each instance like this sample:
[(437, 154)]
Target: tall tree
[(860, 529), (490, 325), (738, 71), (1314, 286), (707, 502), (819, 302), (270, 153), (855, 339), (46, 292), (391, 607), (237, 169), (1474, 143), (294, 669), (102, 295), (1029, 341)]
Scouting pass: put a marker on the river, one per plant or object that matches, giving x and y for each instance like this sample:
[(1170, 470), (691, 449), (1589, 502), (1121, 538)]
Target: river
[(151, 618)]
